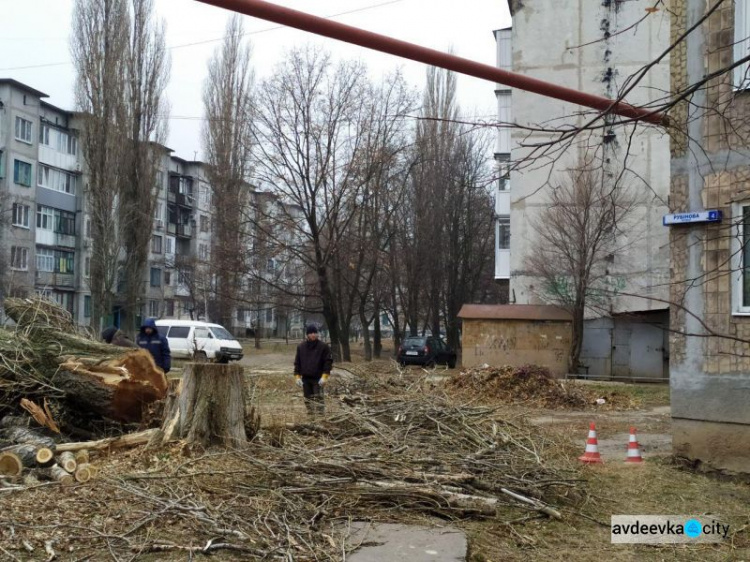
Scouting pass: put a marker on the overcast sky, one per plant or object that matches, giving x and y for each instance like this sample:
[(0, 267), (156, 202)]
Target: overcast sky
[(34, 47)]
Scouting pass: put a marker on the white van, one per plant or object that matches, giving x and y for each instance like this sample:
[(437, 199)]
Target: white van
[(190, 339)]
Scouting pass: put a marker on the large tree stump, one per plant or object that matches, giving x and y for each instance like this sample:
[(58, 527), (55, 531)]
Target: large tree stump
[(207, 408)]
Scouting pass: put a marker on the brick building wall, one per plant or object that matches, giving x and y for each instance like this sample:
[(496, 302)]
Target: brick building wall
[(710, 356)]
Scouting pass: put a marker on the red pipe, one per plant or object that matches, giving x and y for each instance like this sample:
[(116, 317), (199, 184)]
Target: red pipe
[(377, 42)]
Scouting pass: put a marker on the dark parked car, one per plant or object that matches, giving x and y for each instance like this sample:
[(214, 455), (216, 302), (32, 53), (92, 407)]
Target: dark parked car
[(426, 351)]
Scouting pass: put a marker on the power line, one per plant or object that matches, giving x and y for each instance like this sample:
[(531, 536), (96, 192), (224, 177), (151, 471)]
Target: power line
[(207, 41)]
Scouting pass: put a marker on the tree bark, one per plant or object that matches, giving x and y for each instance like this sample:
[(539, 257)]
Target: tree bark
[(118, 389), (211, 406)]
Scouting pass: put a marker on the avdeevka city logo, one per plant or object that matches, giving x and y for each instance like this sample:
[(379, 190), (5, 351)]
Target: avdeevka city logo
[(693, 528)]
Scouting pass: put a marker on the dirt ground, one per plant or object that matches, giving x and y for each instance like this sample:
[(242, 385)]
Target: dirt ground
[(115, 508)]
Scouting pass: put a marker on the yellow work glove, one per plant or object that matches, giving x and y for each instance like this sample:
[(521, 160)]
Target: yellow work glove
[(324, 379), (298, 380)]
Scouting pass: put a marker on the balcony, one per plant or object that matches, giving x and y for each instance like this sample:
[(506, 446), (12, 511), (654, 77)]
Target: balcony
[(51, 238), (185, 200), (51, 279), (171, 197), (184, 230)]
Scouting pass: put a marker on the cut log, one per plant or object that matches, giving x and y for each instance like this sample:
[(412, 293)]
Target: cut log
[(28, 435), (82, 456), (127, 440), (83, 473), (117, 389), (211, 406), (45, 456), (10, 464), (30, 454), (67, 461), (56, 473)]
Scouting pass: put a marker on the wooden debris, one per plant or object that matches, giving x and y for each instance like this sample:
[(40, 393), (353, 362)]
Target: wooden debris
[(83, 473), (67, 461), (82, 456), (10, 464), (57, 473), (127, 440)]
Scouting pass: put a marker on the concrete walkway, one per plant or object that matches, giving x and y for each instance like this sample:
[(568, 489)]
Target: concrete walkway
[(406, 543)]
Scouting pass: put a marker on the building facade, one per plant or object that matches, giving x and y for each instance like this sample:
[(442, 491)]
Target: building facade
[(45, 226), (594, 47), (710, 362)]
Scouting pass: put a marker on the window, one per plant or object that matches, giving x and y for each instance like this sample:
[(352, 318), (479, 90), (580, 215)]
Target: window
[(45, 260), (204, 223), (44, 135), (54, 261), (20, 215), (19, 258), (203, 252), (179, 331), (503, 233), (170, 244), (45, 218), (169, 308), (741, 43), (22, 173), (23, 130), (65, 222), (72, 145), (2, 165), (88, 228), (271, 265), (158, 210), (153, 308), (269, 315), (87, 267), (201, 333), (156, 244), (87, 306), (56, 179), (155, 277), (167, 278)]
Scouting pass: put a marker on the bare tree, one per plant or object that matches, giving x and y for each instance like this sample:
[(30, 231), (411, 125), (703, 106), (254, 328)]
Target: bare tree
[(577, 239), (227, 137), (99, 47), (309, 131), (147, 76)]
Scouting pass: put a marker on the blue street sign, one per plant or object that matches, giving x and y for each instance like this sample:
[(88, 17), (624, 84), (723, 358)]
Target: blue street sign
[(691, 218)]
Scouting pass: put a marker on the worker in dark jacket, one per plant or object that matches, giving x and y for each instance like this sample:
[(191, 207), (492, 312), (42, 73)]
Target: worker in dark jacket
[(149, 338), (312, 367)]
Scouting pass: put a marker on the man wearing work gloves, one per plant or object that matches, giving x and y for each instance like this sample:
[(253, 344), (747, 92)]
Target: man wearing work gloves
[(312, 366)]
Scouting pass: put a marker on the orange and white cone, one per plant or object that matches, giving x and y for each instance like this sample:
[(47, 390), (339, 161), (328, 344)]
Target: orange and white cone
[(634, 450), (591, 455)]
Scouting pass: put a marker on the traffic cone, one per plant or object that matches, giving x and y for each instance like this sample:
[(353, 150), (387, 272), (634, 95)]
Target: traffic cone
[(591, 455), (634, 450)]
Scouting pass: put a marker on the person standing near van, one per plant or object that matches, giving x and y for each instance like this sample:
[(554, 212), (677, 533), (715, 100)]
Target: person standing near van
[(312, 367), (157, 345)]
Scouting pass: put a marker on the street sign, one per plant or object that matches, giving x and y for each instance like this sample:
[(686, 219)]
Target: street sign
[(691, 218)]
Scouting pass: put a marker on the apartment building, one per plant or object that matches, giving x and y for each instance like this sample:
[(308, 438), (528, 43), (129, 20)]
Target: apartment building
[(40, 184), (595, 47), (710, 363), (45, 226)]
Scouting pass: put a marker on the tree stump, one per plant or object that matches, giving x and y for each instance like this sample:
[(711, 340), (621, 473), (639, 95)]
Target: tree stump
[(207, 407)]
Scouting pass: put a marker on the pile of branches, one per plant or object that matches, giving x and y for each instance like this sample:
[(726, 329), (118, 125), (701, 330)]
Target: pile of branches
[(293, 493), (531, 385)]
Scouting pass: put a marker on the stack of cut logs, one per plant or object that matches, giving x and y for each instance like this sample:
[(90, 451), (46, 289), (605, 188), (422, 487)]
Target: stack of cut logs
[(33, 454)]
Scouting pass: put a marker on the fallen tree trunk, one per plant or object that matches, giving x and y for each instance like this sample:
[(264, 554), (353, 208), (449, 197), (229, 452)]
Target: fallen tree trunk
[(28, 435), (117, 389), (47, 356), (58, 474)]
